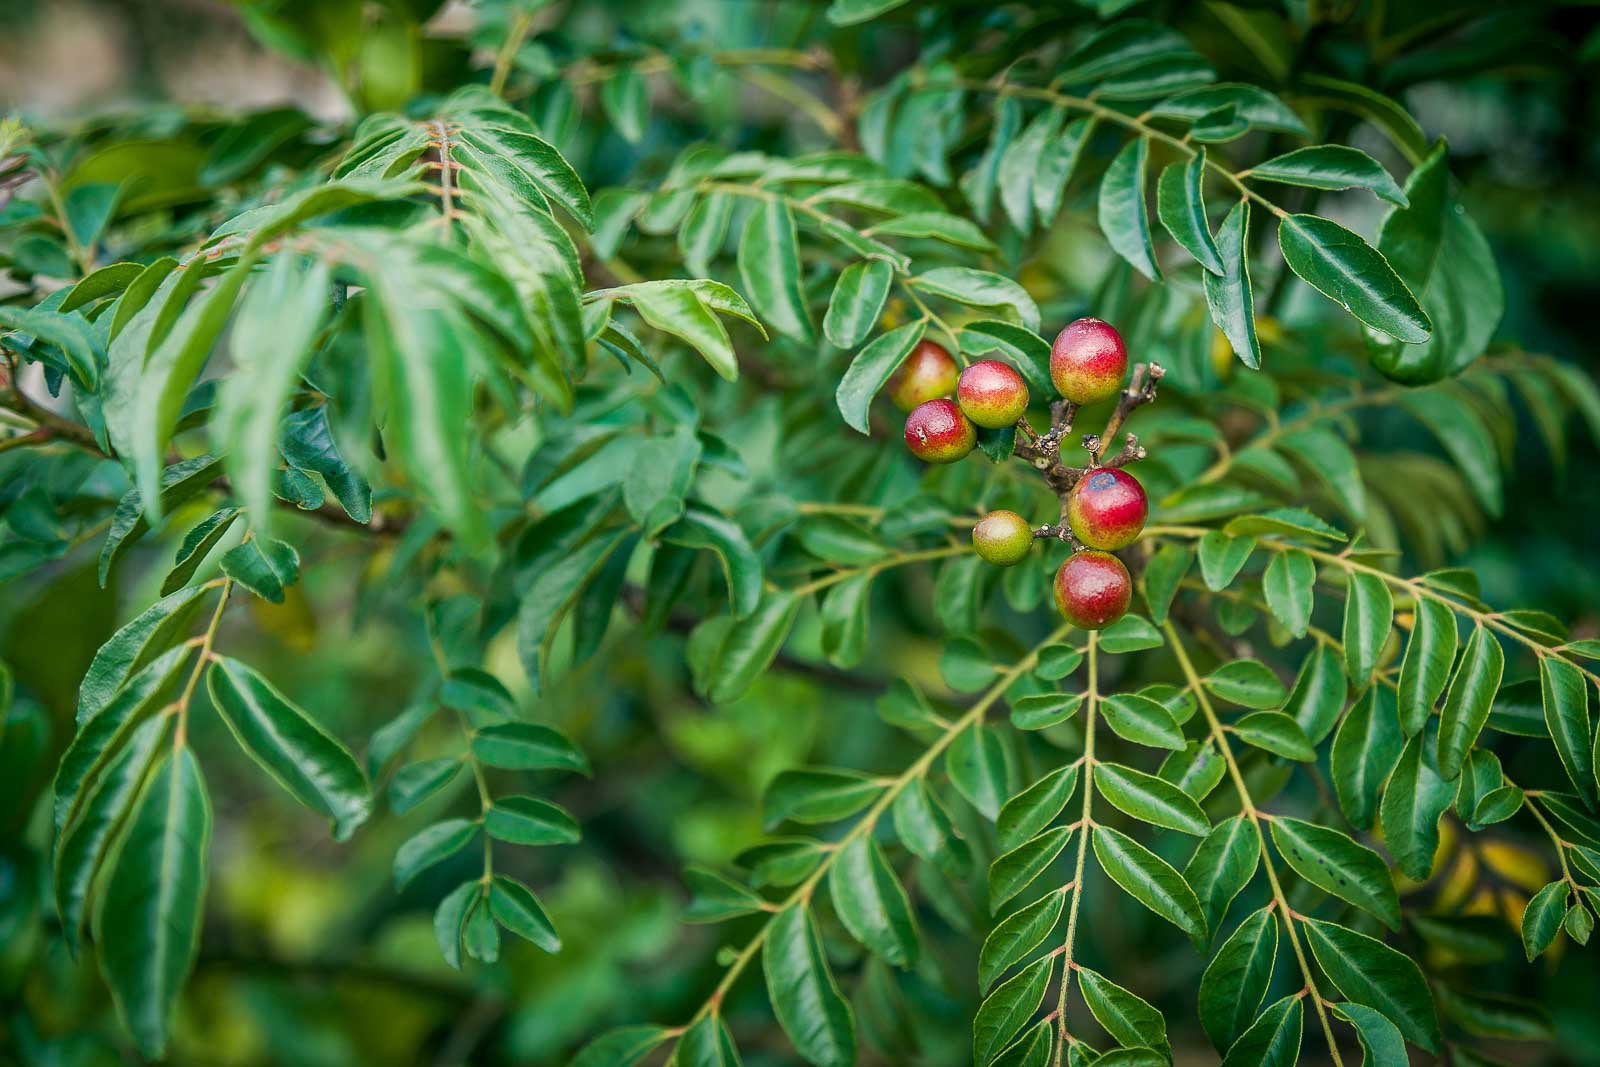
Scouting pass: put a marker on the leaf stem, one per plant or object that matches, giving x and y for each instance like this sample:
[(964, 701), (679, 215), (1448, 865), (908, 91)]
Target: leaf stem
[(1247, 803), (180, 735), (897, 560), (1091, 705)]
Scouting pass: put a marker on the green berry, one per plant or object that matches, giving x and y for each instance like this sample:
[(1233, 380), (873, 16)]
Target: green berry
[(1002, 538)]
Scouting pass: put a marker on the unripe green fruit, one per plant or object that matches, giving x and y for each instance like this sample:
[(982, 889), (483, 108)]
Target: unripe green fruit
[(937, 432), (1107, 508), (992, 394), (926, 374), (1002, 538), (1093, 589), (1088, 361)]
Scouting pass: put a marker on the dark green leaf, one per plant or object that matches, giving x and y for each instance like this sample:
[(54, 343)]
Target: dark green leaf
[(1335, 863), (1149, 879), (1352, 274), (804, 996), (1466, 708), (1369, 972), (1181, 206), (871, 903), (1236, 980), (1124, 215)]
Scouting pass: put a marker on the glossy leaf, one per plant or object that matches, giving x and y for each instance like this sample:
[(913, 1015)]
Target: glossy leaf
[(1149, 879), (804, 996)]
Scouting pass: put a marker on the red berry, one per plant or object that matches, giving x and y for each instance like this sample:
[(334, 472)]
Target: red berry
[(1002, 538), (926, 374), (1107, 508), (1088, 361), (992, 394), (1093, 589), (937, 432)]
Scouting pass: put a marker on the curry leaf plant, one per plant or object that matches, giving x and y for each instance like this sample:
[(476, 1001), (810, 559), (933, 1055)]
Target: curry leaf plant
[(460, 460)]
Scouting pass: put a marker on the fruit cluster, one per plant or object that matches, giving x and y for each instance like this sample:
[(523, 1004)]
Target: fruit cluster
[(1103, 507)]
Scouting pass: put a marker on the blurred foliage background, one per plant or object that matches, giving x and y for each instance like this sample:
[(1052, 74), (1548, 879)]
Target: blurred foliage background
[(311, 958)]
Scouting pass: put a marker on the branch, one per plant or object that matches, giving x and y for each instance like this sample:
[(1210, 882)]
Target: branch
[(1250, 810), (1091, 704)]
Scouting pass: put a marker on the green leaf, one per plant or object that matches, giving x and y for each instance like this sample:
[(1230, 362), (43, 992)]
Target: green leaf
[(844, 617), (1413, 801), (701, 528), (625, 98), (1149, 799), (1235, 981), (706, 1044), (1160, 581), (938, 226), (196, 545), (524, 820), (871, 369), (1288, 522), (1541, 919), (1141, 720), (1380, 1039), (850, 12), (179, 482), (1222, 556), (1197, 770), (1040, 711), (1289, 585), (1365, 749), (1319, 693), (1336, 863), (1565, 696), (1425, 669), (526, 746), (1127, 1017), (271, 341), (1248, 683), (1124, 215), (857, 301), (1466, 708), (977, 763), (804, 996), (1150, 880), (1254, 105), (626, 1046), (1222, 866), (416, 782), (306, 759), (872, 904), (1465, 438), (1276, 733), (1331, 460), (1181, 207), (750, 647), (769, 269), (148, 928), (1273, 1040), (1015, 870), (817, 795), (1021, 932), (925, 827), (514, 907), (687, 310), (1036, 807), (1330, 166), (714, 898), (1444, 258), (83, 843), (1369, 972), (451, 915), (1229, 296), (660, 478), (1351, 273), (429, 846), (1004, 1013), (980, 288), (77, 338)]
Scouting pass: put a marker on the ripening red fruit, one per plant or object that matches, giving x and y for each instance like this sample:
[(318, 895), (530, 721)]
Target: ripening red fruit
[(937, 432), (1107, 508), (1088, 361), (1093, 589), (926, 374), (992, 394), (1002, 538)]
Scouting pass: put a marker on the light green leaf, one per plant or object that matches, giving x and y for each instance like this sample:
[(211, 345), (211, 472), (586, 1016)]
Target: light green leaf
[(1222, 556), (769, 269), (980, 288), (1289, 585)]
